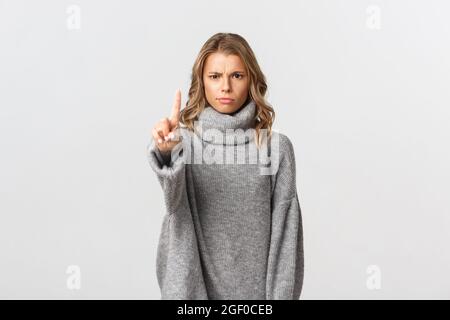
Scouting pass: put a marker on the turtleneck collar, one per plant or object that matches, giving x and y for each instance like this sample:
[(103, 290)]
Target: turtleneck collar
[(227, 124)]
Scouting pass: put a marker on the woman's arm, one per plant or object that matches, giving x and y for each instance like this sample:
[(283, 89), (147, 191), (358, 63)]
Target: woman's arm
[(286, 259), (178, 266), (170, 171)]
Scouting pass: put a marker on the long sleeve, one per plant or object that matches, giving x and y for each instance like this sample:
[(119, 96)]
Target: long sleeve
[(285, 266), (178, 264), (170, 171)]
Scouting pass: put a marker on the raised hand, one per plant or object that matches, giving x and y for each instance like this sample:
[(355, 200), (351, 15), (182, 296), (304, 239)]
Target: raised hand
[(165, 131)]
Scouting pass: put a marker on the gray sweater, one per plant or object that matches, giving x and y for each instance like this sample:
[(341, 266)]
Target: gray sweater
[(230, 231)]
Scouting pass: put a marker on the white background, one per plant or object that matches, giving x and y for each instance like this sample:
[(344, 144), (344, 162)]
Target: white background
[(360, 87)]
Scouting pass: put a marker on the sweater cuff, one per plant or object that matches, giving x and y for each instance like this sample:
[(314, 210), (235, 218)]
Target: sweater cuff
[(165, 163), (163, 157)]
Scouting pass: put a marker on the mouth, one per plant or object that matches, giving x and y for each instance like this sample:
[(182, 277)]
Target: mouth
[(226, 100)]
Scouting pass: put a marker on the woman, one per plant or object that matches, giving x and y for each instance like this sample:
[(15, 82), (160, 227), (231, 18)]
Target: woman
[(231, 230)]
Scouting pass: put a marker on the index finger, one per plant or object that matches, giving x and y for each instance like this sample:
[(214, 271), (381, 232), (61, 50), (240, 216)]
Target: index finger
[(175, 115)]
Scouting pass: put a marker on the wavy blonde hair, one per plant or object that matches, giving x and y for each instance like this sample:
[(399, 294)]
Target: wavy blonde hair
[(229, 43)]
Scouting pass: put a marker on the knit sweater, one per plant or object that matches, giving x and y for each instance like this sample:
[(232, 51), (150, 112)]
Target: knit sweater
[(230, 231)]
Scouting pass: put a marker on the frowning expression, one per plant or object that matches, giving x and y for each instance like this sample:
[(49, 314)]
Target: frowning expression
[(225, 76)]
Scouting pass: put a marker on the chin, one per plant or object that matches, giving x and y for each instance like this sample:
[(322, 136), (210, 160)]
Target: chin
[(226, 110), (221, 110)]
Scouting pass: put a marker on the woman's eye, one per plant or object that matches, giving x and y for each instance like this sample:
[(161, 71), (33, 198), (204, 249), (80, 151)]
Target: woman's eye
[(215, 76)]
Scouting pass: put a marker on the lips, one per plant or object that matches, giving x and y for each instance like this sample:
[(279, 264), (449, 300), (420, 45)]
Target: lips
[(226, 100)]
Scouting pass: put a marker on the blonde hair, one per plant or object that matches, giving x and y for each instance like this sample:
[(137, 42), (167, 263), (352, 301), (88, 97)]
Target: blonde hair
[(229, 43)]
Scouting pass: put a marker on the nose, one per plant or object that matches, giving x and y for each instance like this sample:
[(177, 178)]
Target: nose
[(226, 85)]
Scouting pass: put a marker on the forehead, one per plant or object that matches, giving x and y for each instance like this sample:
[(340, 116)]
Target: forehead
[(220, 61)]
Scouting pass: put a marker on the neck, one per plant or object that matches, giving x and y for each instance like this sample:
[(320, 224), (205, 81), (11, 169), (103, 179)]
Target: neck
[(227, 129)]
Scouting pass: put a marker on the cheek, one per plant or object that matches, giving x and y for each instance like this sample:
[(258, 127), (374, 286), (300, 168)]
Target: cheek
[(214, 88), (209, 86), (243, 86)]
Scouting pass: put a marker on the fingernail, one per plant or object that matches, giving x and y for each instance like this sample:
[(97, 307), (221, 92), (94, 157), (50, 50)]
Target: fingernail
[(160, 140), (171, 135), (166, 138)]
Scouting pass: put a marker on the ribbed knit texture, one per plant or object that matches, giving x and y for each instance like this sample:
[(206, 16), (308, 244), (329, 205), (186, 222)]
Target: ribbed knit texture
[(228, 231)]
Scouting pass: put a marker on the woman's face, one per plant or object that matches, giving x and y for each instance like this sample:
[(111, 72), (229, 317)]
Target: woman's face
[(224, 76)]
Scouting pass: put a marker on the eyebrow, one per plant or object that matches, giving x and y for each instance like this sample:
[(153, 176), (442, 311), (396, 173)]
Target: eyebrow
[(215, 72)]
